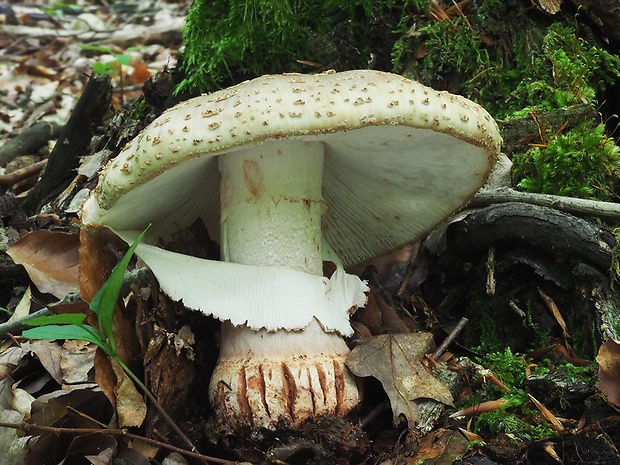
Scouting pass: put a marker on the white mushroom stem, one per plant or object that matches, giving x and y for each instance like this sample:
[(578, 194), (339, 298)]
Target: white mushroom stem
[(271, 215), (271, 205)]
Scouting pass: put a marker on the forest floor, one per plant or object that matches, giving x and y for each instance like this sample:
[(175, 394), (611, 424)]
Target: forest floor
[(533, 377)]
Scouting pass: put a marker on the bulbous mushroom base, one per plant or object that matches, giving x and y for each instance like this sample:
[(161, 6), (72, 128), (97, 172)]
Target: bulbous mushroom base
[(261, 380)]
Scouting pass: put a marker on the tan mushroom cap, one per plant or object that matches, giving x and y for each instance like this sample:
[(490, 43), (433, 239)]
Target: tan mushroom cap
[(399, 156)]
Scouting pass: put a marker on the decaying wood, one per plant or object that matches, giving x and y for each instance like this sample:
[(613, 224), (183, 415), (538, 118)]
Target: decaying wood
[(542, 227), (575, 206), (28, 141), (72, 143)]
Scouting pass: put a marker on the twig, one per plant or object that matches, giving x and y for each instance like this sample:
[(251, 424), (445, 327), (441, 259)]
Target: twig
[(374, 413), (22, 173), (27, 428), (447, 341), (170, 29), (28, 141), (17, 326), (571, 205)]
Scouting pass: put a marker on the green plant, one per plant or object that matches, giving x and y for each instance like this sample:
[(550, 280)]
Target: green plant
[(59, 9), (514, 417), (112, 67), (73, 326)]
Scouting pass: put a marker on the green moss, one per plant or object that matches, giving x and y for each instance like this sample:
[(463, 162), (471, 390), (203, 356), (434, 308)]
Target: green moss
[(508, 66), (576, 373), (507, 366), (448, 50), (584, 162), (518, 426), (229, 40), (514, 417)]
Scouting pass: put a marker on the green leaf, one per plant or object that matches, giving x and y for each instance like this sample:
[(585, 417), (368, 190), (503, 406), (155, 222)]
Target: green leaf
[(60, 319), (97, 48), (123, 58), (102, 68), (105, 299), (80, 333)]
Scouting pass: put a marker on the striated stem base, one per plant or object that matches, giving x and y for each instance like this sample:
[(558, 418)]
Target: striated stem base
[(297, 376)]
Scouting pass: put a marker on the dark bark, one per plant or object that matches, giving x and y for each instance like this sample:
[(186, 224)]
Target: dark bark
[(532, 225), (72, 143)]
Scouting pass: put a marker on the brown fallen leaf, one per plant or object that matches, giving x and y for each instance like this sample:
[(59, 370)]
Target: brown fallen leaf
[(51, 260), (395, 360), (555, 311), (48, 353), (547, 414), (608, 359), (130, 405), (120, 390), (13, 446), (80, 408), (441, 447)]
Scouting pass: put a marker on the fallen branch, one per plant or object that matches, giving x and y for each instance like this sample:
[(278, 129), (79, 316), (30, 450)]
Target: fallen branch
[(534, 225), (17, 326), (23, 173), (575, 206), (28, 141)]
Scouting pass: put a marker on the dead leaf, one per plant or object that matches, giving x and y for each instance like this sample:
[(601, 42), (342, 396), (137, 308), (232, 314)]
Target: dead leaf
[(9, 360), (395, 360), (105, 457), (488, 406), (130, 406), (608, 359), (80, 408), (119, 390), (51, 260), (174, 459), (13, 448), (48, 353), (471, 436), (555, 311), (441, 447), (77, 360), (97, 448), (550, 7), (550, 417), (95, 264)]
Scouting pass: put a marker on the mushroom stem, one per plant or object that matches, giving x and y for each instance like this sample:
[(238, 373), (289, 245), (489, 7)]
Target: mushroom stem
[(271, 205), (271, 215)]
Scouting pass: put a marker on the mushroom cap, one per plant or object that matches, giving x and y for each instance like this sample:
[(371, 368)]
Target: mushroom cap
[(399, 157)]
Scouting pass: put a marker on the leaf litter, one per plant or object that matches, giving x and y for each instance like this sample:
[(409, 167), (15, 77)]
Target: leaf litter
[(41, 78), (396, 361)]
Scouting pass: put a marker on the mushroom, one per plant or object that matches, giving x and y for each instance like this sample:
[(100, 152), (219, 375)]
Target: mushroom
[(287, 171)]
